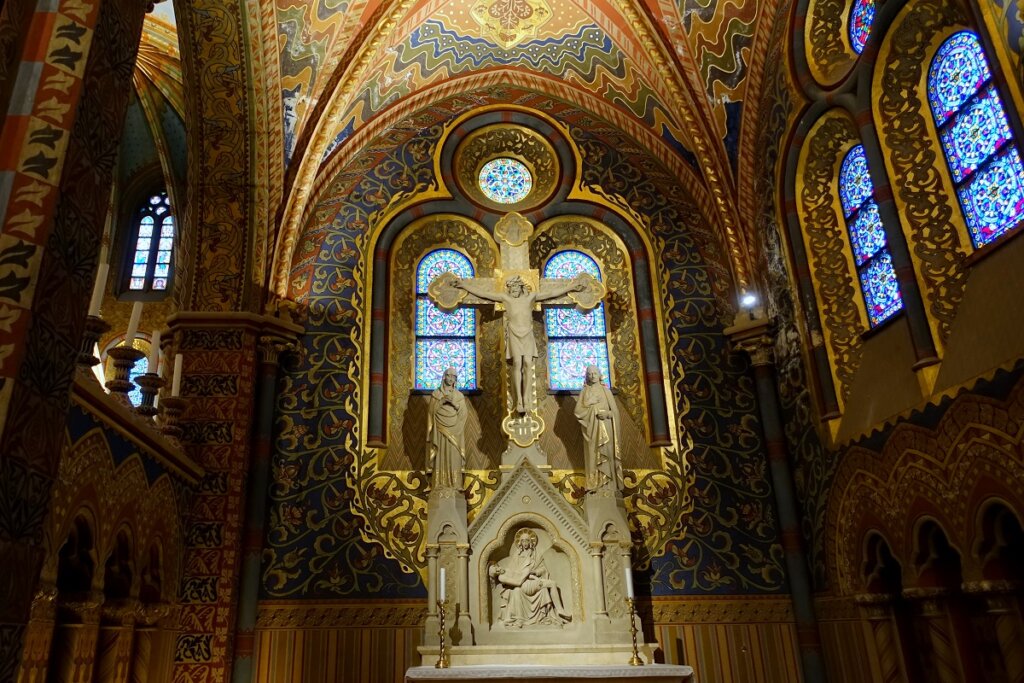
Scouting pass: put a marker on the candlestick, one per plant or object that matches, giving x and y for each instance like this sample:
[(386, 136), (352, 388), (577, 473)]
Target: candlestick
[(149, 384), (442, 655), (629, 583), (94, 329), (133, 323), (98, 288), (124, 360), (176, 380), (154, 353), (635, 659), (442, 586)]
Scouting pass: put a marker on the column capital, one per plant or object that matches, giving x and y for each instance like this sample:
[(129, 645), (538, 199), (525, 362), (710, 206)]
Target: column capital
[(752, 334), (271, 346)]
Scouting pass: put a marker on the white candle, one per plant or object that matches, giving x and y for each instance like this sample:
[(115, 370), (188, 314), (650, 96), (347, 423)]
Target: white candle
[(176, 382), (629, 582), (442, 585), (133, 323), (98, 288), (154, 353)]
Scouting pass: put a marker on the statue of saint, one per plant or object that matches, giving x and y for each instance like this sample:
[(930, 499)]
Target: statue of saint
[(598, 415), (528, 596), (520, 344), (446, 426)]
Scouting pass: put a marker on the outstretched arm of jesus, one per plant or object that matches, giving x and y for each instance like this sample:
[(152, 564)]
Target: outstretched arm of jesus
[(479, 290), (557, 291)]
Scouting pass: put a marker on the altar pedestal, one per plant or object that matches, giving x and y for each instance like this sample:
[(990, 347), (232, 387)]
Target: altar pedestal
[(620, 673)]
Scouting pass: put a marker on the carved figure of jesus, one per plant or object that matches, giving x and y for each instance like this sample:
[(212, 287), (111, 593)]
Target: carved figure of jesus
[(520, 343)]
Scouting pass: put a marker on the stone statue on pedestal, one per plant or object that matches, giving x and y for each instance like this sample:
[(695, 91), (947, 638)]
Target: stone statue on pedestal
[(446, 426), (598, 415), (529, 596)]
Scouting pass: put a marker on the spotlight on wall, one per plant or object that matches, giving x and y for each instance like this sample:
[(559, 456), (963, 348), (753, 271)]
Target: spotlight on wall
[(749, 301)]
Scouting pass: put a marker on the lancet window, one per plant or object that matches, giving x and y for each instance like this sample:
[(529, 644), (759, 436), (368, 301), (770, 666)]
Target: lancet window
[(150, 267), (862, 15), (982, 157), (867, 238), (443, 339), (575, 339)]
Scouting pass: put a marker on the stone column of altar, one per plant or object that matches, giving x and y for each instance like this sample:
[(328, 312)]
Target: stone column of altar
[(752, 337), (596, 551), (269, 351)]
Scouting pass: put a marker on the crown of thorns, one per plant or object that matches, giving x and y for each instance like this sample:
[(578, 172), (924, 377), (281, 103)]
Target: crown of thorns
[(517, 280)]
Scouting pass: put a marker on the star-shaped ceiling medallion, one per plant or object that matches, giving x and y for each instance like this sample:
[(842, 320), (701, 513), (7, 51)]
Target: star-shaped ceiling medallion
[(510, 22)]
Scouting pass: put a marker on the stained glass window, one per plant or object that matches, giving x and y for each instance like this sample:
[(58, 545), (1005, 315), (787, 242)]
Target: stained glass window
[(154, 243), (575, 339), (976, 138), (867, 238), (862, 15), (443, 339), (505, 180), (141, 368)]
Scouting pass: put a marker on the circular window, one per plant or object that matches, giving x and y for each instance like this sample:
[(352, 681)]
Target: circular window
[(505, 180)]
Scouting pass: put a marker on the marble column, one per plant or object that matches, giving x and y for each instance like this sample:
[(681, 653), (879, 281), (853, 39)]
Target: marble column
[(753, 337)]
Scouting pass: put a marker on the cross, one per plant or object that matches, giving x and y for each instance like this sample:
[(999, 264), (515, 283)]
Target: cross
[(518, 291)]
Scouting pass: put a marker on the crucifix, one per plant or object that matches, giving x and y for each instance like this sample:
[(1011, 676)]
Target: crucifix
[(518, 291)]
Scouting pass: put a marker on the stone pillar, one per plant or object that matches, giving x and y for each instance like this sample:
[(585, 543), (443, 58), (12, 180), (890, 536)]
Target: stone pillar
[(936, 640), (596, 552), (115, 643), (38, 637), (153, 653), (59, 136), (73, 650), (753, 338), (270, 349), (1002, 625), (876, 609), (218, 389)]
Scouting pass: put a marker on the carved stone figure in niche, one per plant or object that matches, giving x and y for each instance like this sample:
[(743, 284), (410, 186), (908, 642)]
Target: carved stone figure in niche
[(446, 426), (520, 343), (528, 595), (598, 415)]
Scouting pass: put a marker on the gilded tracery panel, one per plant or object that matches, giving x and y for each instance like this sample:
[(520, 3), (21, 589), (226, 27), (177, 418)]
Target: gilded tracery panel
[(924, 192), (828, 249), (829, 55)]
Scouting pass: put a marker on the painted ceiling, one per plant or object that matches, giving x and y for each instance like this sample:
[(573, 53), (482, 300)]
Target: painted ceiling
[(649, 60)]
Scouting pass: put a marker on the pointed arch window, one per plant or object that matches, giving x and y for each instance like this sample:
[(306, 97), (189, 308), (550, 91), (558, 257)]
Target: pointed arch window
[(575, 339), (862, 15), (867, 238), (976, 138), (150, 269), (443, 340)]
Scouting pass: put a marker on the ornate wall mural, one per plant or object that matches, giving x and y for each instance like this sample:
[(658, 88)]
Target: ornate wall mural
[(828, 249), (342, 525), (924, 192)]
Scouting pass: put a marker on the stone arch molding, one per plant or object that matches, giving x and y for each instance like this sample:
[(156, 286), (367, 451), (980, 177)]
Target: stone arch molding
[(948, 474), (115, 499)]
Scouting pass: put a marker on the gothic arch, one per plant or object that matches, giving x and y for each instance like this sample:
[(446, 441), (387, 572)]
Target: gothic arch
[(826, 241)]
